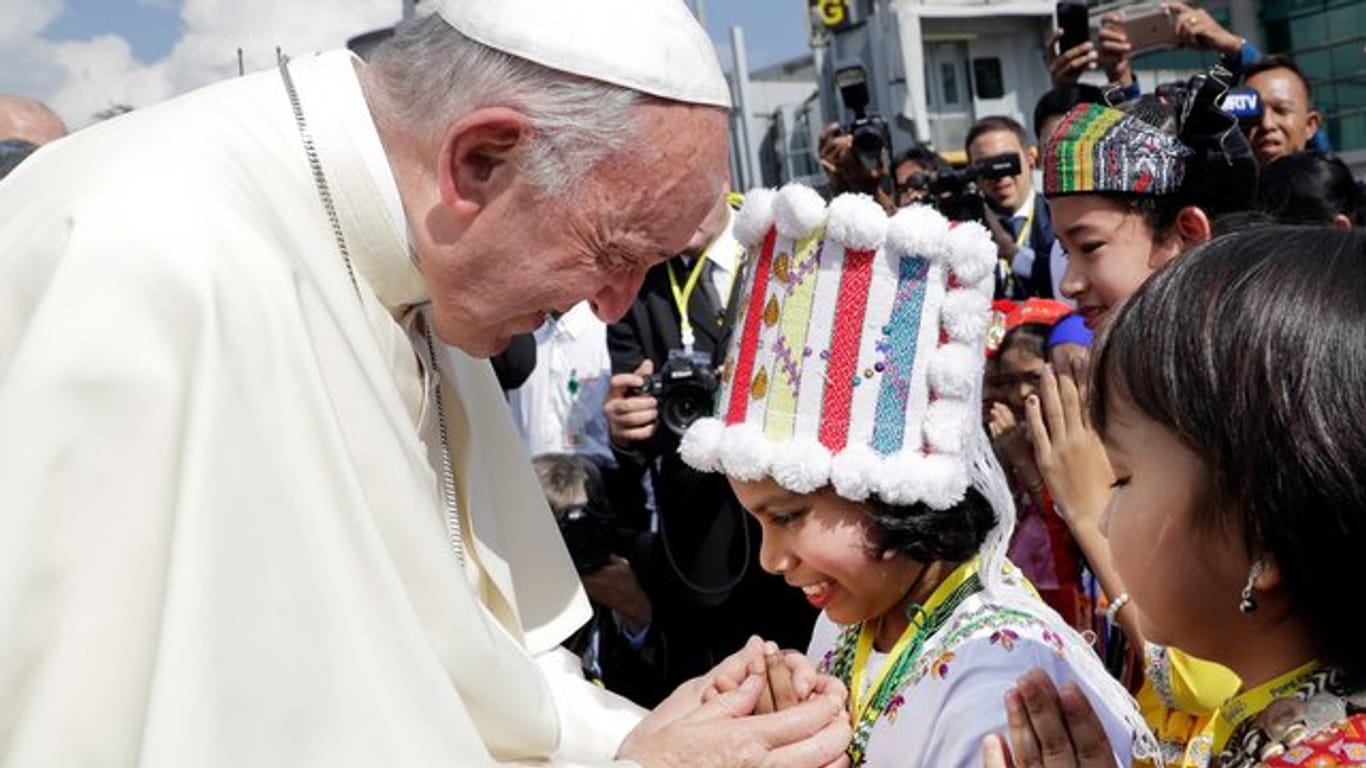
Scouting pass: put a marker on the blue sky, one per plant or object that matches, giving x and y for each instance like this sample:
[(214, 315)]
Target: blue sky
[(773, 28), (85, 56), (151, 28)]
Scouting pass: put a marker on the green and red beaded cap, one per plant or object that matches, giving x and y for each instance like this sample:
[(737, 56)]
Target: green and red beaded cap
[(1100, 149)]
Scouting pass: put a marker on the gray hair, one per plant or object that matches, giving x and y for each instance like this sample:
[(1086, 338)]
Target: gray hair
[(430, 75)]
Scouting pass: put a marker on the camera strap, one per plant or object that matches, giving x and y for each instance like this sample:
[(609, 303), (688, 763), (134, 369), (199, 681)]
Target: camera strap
[(682, 295)]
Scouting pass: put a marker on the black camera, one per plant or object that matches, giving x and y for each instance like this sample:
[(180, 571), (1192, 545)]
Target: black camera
[(590, 535), (954, 192), (872, 138), (685, 388)]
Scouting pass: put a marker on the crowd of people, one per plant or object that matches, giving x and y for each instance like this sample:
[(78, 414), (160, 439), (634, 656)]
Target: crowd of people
[(1049, 467)]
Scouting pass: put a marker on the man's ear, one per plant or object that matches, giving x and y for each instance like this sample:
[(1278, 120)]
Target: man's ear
[(475, 161), (1313, 122)]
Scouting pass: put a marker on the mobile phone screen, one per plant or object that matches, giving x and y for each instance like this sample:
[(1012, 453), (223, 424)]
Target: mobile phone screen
[(1074, 21)]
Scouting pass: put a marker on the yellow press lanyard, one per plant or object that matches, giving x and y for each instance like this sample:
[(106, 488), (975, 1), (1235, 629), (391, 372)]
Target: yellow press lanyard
[(1249, 703), (1023, 235), (682, 295), (859, 702)]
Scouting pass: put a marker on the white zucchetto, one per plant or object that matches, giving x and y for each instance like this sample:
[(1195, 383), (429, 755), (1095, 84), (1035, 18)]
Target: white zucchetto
[(652, 46)]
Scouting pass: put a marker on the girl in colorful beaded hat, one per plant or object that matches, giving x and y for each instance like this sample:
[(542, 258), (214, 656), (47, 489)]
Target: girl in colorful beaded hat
[(849, 427), (1228, 392), (1130, 189)]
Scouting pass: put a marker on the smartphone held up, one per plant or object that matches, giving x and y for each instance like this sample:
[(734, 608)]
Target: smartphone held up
[(1149, 27), (1074, 19)]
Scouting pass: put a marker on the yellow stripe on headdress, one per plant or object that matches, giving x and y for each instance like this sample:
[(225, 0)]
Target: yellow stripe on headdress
[(800, 277), (1085, 147)]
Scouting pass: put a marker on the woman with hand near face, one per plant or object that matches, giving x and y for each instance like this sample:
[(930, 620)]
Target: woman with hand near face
[(1226, 395), (1132, 190)]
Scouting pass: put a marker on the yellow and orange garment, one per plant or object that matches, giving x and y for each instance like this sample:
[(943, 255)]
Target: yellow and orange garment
[(1179, 700)]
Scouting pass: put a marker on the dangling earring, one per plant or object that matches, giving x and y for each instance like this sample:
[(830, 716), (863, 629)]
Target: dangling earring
[(1248, 603)]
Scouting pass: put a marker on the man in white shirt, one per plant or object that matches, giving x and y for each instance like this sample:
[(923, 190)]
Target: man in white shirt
[(252, 511), (558, 409)]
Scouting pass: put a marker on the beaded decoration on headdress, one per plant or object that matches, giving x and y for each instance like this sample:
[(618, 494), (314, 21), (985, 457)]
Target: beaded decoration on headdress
[(857, 353), (1096, 148)]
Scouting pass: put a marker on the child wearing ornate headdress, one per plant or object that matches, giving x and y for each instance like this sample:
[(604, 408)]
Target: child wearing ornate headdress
[(1227, 392), (848, 424), (1131, 190)]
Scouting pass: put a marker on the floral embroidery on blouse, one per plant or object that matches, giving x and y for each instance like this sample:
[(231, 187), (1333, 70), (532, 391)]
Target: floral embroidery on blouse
[(1158, 668), (1002, 627), (940, 666), (1005, 637), (893, 707)]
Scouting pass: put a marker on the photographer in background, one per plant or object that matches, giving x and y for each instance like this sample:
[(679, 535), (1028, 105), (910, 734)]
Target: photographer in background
[(1289, 123), (709, 592), (1286, 121), (845, 172), (619, 646), (915, 172), (1021, 226)]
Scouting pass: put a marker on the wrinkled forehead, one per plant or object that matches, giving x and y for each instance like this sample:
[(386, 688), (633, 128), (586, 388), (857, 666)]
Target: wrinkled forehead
[(665, 185)]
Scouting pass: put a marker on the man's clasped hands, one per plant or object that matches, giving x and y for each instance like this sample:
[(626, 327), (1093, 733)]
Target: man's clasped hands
[(760, 707)]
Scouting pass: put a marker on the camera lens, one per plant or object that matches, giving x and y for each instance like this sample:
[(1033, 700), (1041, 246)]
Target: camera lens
[(868, 141), (684, 405)]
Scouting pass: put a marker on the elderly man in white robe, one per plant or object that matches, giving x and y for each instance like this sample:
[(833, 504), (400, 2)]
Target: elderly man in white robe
[(260, 501)]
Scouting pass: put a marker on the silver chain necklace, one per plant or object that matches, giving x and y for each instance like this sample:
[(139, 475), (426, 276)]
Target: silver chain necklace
[(325, 195)]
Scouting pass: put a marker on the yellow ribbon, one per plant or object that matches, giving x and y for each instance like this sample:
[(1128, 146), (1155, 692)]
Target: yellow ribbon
[(858, 702)]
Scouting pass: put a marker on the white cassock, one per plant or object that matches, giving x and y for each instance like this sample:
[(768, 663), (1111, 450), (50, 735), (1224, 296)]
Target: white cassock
[(222, 536)]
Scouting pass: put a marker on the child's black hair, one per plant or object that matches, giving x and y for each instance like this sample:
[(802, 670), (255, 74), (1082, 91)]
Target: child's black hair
[(1252, 351)]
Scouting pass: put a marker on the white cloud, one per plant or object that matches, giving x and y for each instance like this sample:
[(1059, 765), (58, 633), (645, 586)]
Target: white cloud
[(81, 78)]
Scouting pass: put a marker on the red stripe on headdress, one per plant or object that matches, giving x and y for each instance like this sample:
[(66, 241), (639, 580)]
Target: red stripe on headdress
[(1053, 159), (844, 348), (749, 341)]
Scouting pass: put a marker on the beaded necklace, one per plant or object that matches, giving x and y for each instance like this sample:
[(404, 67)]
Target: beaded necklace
[(1272, 719), (850, 658)]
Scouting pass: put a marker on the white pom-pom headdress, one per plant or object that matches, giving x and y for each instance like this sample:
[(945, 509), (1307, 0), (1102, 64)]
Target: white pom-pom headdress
[(857, 352), (856, 364)]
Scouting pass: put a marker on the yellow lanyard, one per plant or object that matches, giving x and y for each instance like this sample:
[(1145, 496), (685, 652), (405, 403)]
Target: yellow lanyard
[(1249, 703), (858, 700), (681, 298), (1023, 235)]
